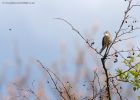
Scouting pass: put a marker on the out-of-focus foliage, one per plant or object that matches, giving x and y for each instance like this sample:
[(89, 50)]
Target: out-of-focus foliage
[(132, 75)]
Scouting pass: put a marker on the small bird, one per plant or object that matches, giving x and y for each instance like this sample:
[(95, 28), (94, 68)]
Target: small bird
[(106, 41)]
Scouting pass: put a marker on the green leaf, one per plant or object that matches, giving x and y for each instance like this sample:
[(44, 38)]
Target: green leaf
[(134, 73), (131, 59), (126, 62), (132, 76), (119, 72)]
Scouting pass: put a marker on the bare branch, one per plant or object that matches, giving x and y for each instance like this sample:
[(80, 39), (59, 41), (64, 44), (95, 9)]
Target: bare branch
[(60, 92), (74, 29), (134, 6), (117, 90), (121, 25), (99, 85), (27, 90), (120, 40), (86, 40), (55, 84), (124, 51), (130, 31)]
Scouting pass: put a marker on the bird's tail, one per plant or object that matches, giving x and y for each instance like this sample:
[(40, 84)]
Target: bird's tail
[(102, 49)]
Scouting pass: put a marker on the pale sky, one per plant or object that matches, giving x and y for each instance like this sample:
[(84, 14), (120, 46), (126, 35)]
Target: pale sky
[(36, 31)]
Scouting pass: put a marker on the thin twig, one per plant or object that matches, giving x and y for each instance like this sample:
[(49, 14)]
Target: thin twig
[(99, 85), (123, 51), (130, 31), (28, 90), (117, 90), (131, 67), (121, 25), (120, 40), (86, 40), (55, 84)]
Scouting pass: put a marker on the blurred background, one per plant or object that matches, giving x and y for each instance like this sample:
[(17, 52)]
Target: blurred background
[(29, 32)]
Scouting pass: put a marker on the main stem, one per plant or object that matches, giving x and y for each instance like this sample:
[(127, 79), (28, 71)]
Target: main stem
[(107, 78)]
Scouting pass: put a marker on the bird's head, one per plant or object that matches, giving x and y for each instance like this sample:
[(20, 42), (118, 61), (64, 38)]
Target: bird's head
[(107, 33)]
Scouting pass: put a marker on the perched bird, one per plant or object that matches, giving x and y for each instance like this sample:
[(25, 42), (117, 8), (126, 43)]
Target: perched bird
[(106, 41)]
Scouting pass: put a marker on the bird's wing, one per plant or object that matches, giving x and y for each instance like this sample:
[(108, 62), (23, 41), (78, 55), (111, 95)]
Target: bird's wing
[(103, 41)]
